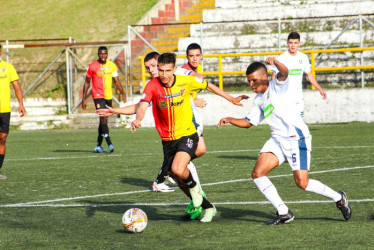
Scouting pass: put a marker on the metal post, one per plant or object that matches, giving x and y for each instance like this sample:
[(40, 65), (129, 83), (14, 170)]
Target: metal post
[(7, 51), (129, 57), (68, 79), (220, 84), (362, 54), (313, 63), (201, 41), (279, 34)]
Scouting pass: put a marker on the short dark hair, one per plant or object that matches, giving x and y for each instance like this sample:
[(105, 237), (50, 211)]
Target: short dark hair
[(193, 46), (254, 67), (167, 58), (1, 46), (151, 55), (102, 48), (293, 35)]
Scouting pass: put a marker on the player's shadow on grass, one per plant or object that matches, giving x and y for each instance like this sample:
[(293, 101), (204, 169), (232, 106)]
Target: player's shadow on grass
[(120, 208), (244, 214), (137, 182), (72, 151), (239, 157)]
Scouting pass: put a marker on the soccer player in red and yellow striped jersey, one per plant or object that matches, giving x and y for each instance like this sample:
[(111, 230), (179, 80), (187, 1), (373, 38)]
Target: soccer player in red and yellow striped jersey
[(170, 98)]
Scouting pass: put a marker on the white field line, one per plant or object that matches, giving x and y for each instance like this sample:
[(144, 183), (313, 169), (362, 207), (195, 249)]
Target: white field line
[(172, 204), (160, 153), (42, 203)]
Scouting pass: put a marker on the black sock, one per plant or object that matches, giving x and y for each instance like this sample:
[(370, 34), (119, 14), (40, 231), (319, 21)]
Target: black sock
[(99, 136), (206, 204), (190, 181), (161, 176), (1, 160), (105, 130)]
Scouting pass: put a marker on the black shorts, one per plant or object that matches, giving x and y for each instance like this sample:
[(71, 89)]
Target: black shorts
[(4, 122), (101, 102), (186, 144)]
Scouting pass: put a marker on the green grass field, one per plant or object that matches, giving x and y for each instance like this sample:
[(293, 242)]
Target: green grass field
[(60, 195)]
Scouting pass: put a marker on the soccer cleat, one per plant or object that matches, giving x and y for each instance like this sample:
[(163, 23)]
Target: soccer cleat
[(99, 149), (197, 196), (161, 187), (343, 206), (190, 208), (3, 177), (170, 180), (196, 213), (111, 148), (209, 214), (282, 219)]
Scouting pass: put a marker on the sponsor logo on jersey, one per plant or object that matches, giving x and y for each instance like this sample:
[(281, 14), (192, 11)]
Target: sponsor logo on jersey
[(293, 72), (268, 110), (163, 104), (3, 70), (181, 93)]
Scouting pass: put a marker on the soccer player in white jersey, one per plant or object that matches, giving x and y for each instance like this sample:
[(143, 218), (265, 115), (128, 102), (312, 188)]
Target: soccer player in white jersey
[(297, 64), (290, 140)]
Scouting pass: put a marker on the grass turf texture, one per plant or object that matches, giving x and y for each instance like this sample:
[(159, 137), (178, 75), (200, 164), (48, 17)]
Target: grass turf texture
[(49, 165)]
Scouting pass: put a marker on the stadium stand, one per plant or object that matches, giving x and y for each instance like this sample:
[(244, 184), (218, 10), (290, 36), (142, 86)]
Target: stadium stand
[(252, 26)]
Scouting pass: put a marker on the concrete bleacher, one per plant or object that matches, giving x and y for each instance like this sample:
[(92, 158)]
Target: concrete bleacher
[(239, 26)]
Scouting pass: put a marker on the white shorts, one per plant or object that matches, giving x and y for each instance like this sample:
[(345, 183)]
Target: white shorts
[(197, 119), (297, 152)]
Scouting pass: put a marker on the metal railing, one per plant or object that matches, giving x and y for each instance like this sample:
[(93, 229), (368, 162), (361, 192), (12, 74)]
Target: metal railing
[(312, 53)]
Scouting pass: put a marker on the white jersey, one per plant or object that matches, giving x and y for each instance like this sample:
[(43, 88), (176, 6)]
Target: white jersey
[(275, 107), (296, 65), (182, 71)]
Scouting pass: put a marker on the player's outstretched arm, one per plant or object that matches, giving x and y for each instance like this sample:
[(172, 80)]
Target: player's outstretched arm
[(283, 70), (241, 123), (128, 110), (140, 112), (214, 89)]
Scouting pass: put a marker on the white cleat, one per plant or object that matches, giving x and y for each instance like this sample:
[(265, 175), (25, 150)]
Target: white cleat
[(209, 214), (161, 187), (170, 180), (3, 177)]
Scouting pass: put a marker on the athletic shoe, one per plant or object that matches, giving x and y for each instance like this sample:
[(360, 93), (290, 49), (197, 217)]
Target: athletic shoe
[(209, 214), (343, 206), (111, 148), (197, 195), (99, 149), (282, 219), (196, 213), (190, 208), (3, 177), (170, 180), (161, 187)]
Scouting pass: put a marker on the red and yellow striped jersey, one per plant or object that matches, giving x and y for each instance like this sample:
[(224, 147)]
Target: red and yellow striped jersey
[(172, 106), (102, 75)]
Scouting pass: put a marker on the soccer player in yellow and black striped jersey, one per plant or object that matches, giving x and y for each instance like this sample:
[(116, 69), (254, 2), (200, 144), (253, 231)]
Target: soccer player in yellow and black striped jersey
[(8, 75), (170, 98)]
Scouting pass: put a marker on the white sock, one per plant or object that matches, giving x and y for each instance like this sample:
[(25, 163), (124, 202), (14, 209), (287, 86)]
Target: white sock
[(268, 189), (321, 189), (193, 171)]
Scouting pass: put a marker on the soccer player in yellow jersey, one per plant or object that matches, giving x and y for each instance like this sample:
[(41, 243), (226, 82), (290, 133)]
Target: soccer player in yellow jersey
[(170, 98), (8, 75)]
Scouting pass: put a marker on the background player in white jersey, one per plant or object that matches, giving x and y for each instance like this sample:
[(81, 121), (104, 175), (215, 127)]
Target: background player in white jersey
[(297, 64), (290, 140)]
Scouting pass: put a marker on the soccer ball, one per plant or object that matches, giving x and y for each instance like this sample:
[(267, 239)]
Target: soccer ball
[(134, 220)]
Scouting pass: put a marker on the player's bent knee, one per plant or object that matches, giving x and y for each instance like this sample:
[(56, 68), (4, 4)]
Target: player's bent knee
[(302, 184)]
